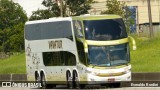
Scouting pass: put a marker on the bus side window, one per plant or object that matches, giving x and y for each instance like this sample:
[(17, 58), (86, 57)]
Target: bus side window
[(67, 30), (81, 52), (62, 58), (49, 30), (52, 59), (69, 58), (78, 28)]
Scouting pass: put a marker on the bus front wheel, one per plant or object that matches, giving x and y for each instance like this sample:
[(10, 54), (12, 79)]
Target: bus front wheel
[(116, 85), (111, 85)]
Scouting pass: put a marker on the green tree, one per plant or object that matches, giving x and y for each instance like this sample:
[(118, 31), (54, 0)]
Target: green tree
[(16, 40), (119, 8), (115, 7), (77, 7), (41, 14), (11, 15), (69, 7), (51, 11)]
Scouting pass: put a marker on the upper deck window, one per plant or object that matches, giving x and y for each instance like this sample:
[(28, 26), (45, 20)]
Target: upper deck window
[(48, 30), (107, 29)]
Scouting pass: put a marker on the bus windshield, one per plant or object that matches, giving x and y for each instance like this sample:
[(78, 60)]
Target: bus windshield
[(108, 55), (107, 29)]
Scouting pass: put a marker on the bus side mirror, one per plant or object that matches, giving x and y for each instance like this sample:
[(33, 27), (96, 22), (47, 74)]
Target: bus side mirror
[(133, 42)]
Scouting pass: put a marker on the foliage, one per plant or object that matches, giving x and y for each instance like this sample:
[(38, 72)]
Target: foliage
[(69, 8), (52, 11), (41, 14), (52, 6), (14, 64), (11, 16), (119, 8), (17, 38), (115, 7), (146, 57), (78, 7)]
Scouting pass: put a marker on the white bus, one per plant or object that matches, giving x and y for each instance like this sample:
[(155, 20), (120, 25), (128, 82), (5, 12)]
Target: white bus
[(80, 50)]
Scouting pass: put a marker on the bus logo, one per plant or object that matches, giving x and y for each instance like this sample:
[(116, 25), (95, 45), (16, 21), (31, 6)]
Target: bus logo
[(57, 44)]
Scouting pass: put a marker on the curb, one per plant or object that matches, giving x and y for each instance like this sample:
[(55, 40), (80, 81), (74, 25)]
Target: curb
[(155, 76), (13, 77)]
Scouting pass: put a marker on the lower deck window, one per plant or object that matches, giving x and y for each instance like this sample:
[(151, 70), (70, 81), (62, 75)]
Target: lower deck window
[(62, 58)]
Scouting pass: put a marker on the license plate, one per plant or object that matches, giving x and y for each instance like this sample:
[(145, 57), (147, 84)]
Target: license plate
[(111, 79)]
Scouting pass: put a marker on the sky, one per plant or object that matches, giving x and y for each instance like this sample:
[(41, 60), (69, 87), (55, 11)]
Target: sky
[(30, 5)]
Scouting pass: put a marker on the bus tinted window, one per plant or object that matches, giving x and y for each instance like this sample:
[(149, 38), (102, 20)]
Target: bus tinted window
[(32, 32), (109, 55), (52, 58), (78, 30), (61, 58), (81, 53), (108, 29), (48, 30)]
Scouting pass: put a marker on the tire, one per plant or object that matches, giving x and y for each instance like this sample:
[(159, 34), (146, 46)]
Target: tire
[(112, 85), (69, 80), (43, 82), (82, 86), (51, 86), (75, 80), (37, 79), (116, 85)]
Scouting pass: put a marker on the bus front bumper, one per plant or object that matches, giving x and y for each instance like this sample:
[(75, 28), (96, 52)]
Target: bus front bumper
[(93, 79)]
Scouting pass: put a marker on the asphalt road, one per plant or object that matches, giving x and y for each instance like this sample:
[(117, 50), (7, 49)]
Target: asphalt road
[(124, 88), (134, 86), (98, 87)]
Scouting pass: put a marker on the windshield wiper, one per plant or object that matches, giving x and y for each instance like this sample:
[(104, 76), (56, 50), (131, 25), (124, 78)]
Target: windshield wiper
[(122, 64)]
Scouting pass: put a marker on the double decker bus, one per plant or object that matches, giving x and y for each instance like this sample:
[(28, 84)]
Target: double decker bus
[(79, 50)]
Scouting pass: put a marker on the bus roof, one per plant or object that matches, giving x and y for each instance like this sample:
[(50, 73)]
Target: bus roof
[(96, 17), (54, 19), (82, 17)]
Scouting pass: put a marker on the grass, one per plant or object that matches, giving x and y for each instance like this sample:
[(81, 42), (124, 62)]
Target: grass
[(147, 56), (15, 64)]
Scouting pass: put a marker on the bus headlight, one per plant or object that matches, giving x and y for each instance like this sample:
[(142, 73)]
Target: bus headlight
[(127, 70), (88, 71)]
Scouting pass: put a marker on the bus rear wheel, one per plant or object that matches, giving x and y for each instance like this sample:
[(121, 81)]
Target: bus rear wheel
[(69, 80), (37, 79), (75, 80), (43, 82)]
